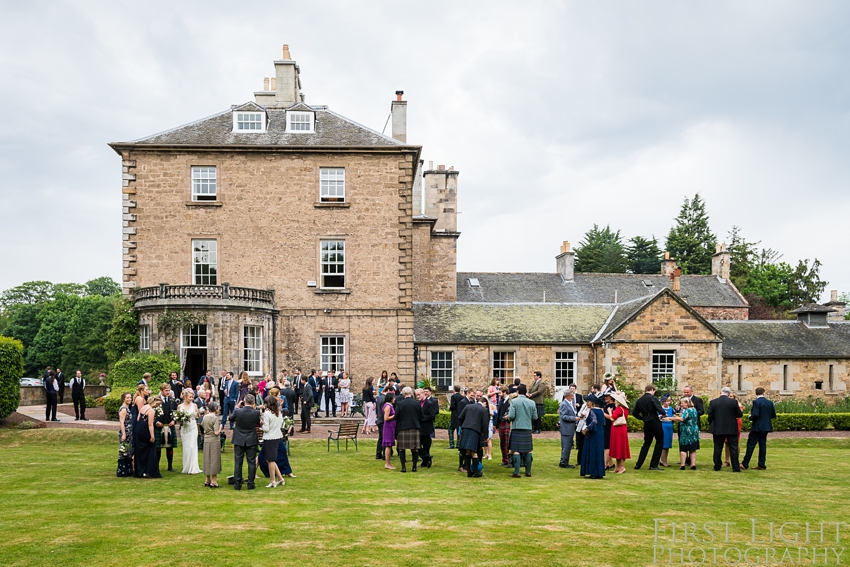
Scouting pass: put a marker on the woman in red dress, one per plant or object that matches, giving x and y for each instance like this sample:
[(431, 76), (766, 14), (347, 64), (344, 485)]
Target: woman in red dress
[(620, 433)]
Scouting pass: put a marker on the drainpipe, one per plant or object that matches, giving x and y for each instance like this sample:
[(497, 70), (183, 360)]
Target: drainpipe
[(274, 346), (592, 382), (415, 366)]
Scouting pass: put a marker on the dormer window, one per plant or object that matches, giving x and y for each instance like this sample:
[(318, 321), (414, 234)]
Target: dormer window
[(249, 122), (299, 122)]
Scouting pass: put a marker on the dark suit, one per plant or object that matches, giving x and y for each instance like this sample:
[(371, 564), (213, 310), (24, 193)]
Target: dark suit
[(454, 408), (306, 406), (78, 396), (647, 409), (503, 426), (245, 443), (60, 377), (296, 385), (430, 409), (290, 396), (761, 416), (699, 405), (51, 389), (408, 414), (330, 386), (723, 414), (316, 389)]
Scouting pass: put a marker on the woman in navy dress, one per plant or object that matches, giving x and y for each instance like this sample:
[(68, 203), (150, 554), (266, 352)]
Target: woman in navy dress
[(593, 450)]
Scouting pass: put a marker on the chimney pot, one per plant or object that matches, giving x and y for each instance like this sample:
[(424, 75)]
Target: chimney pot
[(398, 95), (286, 56), (265, 83), (666, 255), (431, 165), (273, 82), (441, 167), (833, 295)]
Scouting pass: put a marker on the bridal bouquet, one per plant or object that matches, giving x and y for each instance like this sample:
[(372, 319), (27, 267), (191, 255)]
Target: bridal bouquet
[(182, 417), (124, 448), (157, 412)]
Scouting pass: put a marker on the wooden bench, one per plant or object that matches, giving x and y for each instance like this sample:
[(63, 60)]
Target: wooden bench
[(347, 430)]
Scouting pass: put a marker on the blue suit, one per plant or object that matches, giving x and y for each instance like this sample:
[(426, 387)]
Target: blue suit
[(228, 404), (761, 415)]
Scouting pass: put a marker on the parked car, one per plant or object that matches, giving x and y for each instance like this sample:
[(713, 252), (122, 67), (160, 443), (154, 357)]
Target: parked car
[(32, 382)]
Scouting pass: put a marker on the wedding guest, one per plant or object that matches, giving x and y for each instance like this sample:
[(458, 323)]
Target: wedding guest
[(761, 415), (344, 393), (306, 404), (456, 403), (244, 386), (648, 409), (491, 410), (740, 424), (288, 398), (493, 391), (503, 425), (388, 431), (608, 406), (567, 417), (189, 433), (245, 418), (369, 405), (211, 428), (474, 421), (408, 421), (430, 410), (147, 462), (166, 437), (51, 387), (261, 385), (620, 432), (176, 384), (272, 425), (723, 414), (522, 414), (667, 428), (593, 451), (125, 436), (688, 419)]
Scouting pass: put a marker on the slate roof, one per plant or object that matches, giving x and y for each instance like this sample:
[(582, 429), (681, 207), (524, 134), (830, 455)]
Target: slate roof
[(332, 129), (783, 339), (502, 287), (459, 323)]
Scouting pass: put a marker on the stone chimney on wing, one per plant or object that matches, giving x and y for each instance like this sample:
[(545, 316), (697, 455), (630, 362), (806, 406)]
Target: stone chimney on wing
[(566, 262), (720, 262), (838, 306), (440, 188), (398, 110), (285, 86), (668, 265)]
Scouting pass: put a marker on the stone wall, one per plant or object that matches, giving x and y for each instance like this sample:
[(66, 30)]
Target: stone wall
[(665, 320), (35, 395), (787, 377)]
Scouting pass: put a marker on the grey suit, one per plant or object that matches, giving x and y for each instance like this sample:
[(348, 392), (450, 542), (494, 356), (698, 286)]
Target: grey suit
[(567, 420), (245, 443)]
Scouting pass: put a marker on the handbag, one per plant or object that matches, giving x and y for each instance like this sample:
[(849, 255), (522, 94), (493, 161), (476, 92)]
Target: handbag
[(620, 420)]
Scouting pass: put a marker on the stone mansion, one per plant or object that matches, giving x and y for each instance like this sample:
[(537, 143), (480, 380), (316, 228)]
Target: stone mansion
[(299, 237)]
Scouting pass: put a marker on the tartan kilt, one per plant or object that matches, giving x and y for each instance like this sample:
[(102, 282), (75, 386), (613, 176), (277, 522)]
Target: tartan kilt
[(172, 439), (521, 441), (471, 441), (505, 429), (407, 440)]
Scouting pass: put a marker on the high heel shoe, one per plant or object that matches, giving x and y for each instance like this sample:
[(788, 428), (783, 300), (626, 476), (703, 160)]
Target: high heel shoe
[(271, 485)]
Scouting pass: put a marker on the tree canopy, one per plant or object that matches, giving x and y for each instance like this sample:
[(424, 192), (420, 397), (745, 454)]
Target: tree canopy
[(690, 240), (601, 251)]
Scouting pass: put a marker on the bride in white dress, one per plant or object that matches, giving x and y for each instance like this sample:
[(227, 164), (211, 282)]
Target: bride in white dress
[(189, 435)]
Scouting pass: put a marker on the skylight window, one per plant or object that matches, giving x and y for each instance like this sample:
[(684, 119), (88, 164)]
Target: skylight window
[(249, 122), (473, 282)]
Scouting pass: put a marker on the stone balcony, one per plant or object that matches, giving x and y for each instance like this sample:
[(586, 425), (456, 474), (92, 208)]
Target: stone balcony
[(203, 296)]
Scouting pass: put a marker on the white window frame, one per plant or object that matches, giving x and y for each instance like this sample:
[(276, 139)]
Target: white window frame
[(252, 350), (297, 120), (144, 338), (659, 368), (331, 184), (332, 352), (204, 253), (565, 368), (331, 267), (504, 373), (193, 337), (244, 121), (446, 377), (204, 183)]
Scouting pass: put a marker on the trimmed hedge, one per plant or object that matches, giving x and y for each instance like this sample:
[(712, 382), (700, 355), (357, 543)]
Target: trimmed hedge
[(840, 421), (129, 370), (11, 370), (112, 403)]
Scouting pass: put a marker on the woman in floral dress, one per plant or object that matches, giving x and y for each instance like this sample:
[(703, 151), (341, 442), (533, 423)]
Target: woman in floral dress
[(125, 437), (688, 434)]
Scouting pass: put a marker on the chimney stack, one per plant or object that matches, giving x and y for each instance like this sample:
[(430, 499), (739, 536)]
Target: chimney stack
[(668, 265), (838, 306), (398, 110), (720, 262), (676, 276), (440, 188), (265, 83), (284, 89), (565, 262)]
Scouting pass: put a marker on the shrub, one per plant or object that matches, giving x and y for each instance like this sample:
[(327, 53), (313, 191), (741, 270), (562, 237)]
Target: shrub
[(112, 403), (800, 421), (550, 422), (91, 402), (11, 370), (840, 421), (550, 405), (442, 420), (129, 370)]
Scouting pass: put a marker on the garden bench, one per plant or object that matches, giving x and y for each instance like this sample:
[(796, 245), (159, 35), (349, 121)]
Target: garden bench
[(347, 430)]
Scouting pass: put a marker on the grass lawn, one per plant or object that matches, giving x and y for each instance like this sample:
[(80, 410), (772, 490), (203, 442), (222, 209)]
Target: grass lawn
[(63, 506)]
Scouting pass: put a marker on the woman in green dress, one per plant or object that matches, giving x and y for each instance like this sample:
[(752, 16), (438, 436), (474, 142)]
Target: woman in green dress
[(688, 434)]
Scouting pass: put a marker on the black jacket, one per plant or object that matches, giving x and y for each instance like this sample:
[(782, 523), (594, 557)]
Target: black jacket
[(307, 395), (502, 408), (408, 414), (429, 413), (290, 395), (168, 408), (723, 414), (647, 408), (245, 421), (455, 407), (698, 405), (761, 415), (475, 417)]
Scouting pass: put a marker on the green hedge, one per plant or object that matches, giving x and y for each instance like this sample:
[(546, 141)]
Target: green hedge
[(840, 421), (112, 403), (11, 370), (129, 370)]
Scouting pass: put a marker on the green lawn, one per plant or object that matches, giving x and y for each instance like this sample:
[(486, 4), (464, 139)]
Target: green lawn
[(63, 506)]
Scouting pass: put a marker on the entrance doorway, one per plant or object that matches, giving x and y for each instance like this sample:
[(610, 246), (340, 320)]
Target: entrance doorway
[(196, 364)]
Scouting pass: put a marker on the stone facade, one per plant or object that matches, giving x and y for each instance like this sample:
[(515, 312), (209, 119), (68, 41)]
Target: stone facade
[(820, 378)]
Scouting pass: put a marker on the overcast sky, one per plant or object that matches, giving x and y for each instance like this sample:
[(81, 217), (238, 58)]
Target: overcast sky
[(558, 115)]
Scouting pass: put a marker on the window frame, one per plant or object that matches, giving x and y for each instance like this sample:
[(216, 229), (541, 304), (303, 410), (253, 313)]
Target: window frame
[(249, 362), (144, 338), (212, 267), (262, 122), (328, 359), (198, 182), (440, 381), (565, 381), (310, 122), (502, 369), (323, 263), (187, 333), (654, 376), (336, 199)]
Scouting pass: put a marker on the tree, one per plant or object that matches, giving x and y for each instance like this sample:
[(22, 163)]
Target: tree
[(28, 293), (11, 371), (691, 241), (47, 345), (743, 255), (644, 256), (103, 286), (780, 287), (805, 285), (23, 324), (123, 336), (84, 342), (601, 251)]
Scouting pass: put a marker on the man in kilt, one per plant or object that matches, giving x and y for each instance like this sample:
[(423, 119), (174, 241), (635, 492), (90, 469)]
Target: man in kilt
[(467, 398), (408, 418), (166, 433), (474, 422), (454, 409), (503, 425), (430, 410), (522, 415)]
